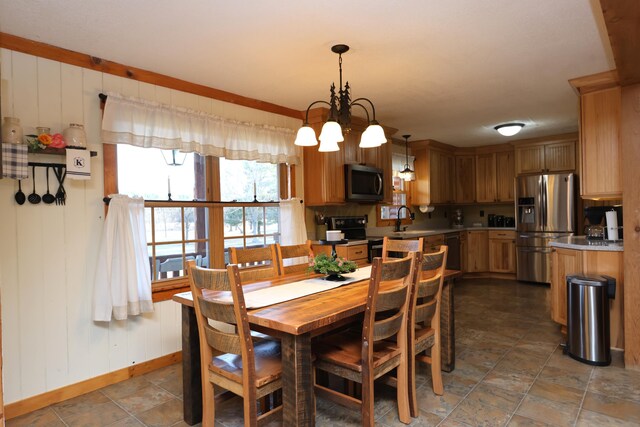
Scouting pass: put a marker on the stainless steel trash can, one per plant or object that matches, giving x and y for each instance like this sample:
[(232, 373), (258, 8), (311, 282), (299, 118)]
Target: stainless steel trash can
[(588, 318)]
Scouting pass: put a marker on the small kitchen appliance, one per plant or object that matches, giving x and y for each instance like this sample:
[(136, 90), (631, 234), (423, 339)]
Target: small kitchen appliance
[(499, 220), (491, 220), (458, 219)]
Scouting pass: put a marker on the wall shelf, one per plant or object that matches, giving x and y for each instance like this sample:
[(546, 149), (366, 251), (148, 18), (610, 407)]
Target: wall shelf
[(56, 151)]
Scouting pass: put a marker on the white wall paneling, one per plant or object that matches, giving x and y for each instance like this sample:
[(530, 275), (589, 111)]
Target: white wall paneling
[(48, 252)]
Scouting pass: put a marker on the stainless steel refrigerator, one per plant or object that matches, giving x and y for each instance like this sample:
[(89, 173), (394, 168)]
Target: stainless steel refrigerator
[(545, 206)]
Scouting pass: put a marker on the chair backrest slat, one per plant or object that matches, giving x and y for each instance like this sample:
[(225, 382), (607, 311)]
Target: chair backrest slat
[(289, 252), (255, 263), (217, 311), (388, 300), (426, 294), (400, 246), (223, 341)]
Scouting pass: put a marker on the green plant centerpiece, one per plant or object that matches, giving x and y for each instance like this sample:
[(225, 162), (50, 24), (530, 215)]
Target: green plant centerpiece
[(332, 267)]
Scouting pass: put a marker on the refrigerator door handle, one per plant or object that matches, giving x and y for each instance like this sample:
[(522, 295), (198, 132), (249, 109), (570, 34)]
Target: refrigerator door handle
[(543, 206)]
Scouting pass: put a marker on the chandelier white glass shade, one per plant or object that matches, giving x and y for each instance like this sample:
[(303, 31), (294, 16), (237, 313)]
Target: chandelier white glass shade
[(340, 118), (407, 173), (509, 129)]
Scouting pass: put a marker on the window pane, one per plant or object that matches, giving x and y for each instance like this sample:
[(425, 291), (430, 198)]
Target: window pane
[(169, 261), (254, 221), (233, 222), (203, 256), (255, 241), (272, 215), (144, 172), (238, 178), (195, 223), (147, 224), (168, 226)]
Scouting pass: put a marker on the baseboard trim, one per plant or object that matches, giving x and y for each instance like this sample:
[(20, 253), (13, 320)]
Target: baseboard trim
[(40, 401)]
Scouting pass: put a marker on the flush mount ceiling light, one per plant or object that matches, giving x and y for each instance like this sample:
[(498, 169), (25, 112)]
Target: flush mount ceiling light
[(340, 118), (407, 174), (509, 129)]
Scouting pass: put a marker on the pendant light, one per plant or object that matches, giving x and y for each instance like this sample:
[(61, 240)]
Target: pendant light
[(407, 173)]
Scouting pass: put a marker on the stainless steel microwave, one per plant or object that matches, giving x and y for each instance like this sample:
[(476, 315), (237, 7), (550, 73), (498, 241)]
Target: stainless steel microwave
[(363, 183)]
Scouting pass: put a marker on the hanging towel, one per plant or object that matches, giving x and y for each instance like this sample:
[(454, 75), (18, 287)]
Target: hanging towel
[(122, 285), (14, 161), (292, 228), (78, 164)]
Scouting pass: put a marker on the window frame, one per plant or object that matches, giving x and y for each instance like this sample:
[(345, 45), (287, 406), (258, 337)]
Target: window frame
[(163, 290)]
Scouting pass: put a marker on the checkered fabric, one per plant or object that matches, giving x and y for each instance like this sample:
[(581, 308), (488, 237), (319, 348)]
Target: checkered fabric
[(14, 161)]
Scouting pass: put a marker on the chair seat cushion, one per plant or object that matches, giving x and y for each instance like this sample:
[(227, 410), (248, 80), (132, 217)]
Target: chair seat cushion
[(345, 350), (267, 359)]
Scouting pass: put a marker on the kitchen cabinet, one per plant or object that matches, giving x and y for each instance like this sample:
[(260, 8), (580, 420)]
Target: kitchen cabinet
[(505, 176), (588, 263), (486, 177), (502, 251), (477, 251), (546, 156), (435, 177), (463, 251), (357, 253), (600, 144), (433, 243), (465, 182)]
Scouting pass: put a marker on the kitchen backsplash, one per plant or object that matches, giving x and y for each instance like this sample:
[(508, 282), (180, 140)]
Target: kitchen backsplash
[(441, 217)]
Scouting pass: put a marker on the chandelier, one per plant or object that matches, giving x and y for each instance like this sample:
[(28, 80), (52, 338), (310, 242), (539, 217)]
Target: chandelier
[(340, 118)]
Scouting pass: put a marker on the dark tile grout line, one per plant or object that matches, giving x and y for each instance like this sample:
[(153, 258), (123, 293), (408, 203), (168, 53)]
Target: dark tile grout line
[(584, 396)]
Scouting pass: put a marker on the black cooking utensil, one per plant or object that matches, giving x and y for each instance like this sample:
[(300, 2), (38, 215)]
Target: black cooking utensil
[(48, 198), (20, 197), (61, 194), (34, 197)]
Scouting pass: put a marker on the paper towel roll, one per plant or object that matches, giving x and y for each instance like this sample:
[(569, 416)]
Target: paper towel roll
[(612, 225)]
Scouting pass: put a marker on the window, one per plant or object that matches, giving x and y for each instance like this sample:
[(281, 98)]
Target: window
[(249, 225), (188, 227), (387, 214)]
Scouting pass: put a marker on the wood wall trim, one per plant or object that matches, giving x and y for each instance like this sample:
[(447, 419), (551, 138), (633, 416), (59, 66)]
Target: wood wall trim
[(595, 82), (573, 136), (622, 19), (83, 60), (58, 395), (630, 142)]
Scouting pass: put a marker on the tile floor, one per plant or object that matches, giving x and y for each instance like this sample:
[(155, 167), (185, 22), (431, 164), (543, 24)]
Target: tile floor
[(509, 371)]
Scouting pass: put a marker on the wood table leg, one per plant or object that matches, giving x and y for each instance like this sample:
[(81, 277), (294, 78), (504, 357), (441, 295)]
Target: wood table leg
[(298, 398), (447, 327), (191, 377)]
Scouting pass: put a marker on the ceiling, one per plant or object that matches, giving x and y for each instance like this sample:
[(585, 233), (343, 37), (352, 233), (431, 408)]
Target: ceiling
[(448, 70)]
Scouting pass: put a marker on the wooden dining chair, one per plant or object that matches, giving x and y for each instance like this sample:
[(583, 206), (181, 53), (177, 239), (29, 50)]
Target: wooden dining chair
[(255, 263), (232, 360), (380, 347), (401, 246), (424, 322), (288, 252)]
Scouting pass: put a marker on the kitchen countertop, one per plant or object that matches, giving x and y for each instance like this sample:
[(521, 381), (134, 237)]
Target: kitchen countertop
[(410, 234), (581, 243)]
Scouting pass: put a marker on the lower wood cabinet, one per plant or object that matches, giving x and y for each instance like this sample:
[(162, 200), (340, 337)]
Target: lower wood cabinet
[(502, 251), (433, 243), (357, 253), (477, 251), (566, 262)]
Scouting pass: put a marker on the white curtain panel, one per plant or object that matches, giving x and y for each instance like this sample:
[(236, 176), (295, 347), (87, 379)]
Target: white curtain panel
[(292, 226), (144, 123), (122, 285)]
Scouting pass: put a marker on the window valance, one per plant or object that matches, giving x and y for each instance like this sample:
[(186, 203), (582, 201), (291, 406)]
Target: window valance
[(145, 123)]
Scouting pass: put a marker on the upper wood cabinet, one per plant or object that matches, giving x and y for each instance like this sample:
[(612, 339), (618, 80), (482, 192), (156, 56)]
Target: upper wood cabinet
[(600, 144), (324, 182), (505, 176), (465, 182), (547, 156), (486, 177), (435, 177)]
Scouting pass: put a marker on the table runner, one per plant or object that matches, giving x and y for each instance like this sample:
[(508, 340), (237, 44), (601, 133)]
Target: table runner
[(276, 294)]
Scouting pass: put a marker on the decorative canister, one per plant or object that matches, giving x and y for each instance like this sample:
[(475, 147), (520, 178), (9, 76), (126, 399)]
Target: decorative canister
[(43, 130), (11, 130), (74, 136)]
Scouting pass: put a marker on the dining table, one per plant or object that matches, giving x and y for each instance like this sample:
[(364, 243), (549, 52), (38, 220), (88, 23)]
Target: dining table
[(295, 323)]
